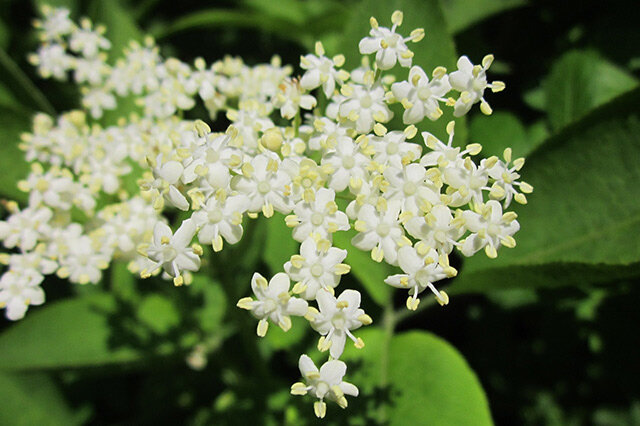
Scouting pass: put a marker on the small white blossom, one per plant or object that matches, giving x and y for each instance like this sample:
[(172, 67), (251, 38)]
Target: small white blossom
[(421, 270), (321, 71), (317, 266), (319, 218), (471, 81), (363, 106), (24, 228), (389, 46), (18, 291), (264, 183), (171, 252), (489, 229), (324, 383), (505, 179), (419, 96), (380, 231), (220, 218), (290, 98), (273, 302), (336, 319)]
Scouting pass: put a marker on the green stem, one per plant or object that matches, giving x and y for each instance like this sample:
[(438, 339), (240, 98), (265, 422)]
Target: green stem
[(22, 81), (376, 77), (296, 123), (388, 324)]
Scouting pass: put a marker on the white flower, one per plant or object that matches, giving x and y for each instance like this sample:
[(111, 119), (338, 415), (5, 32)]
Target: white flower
[(52, 61), (220, 218), (18, 291), (274, 302), (363, 106), (167, 174), (409, 185), (325, 383), (437, 229), (84, 261), (97, 100), (33, 260), (319, 218), (347, 163), (321, 71), (442, 155), (490, 229), (172, 252), (326, 134), (419, 96), (265, 185), (421, 270), (392, 149), (24, 228), (380, 231), (87, 41), (317, 266), (336, 319), (56, 23), (506, 179), (290, 98), (471, 81), (389, 46)]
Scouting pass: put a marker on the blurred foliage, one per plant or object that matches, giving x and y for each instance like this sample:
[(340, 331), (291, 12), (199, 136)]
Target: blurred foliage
[(545, 328)]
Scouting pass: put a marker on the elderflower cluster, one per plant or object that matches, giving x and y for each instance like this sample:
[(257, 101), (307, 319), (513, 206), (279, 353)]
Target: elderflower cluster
[(411, 200)]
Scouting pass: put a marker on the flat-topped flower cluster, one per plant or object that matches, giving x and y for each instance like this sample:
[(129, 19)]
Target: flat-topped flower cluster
[(412, 200)]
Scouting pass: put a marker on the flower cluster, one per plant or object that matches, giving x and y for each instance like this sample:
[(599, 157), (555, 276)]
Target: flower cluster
[(412, 201)]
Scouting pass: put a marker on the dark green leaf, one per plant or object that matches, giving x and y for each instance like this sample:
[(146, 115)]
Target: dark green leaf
[(280, 245), (581, 221), (430, 382), (462, 14), (33, 399), (12, 163), (498, 131), (70, 333), (214, 302), (580, 81)]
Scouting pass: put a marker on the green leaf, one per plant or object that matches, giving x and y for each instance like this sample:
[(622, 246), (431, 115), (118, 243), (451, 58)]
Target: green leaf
[(122, 29), (436, 49), (12, 162), (33, 399), (278, 339), (582, 219), (461, 14), (280, 245), (121, 26), (158, 313), (498, 131), (370, 273), (580, 81), (430, 382), (70, 333), (214, 302), (21, 85), (221, 18)]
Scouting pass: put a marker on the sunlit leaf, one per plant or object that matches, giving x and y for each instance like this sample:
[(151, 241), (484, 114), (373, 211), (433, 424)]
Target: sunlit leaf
[(428, 381), (581, 222), (580, 81)]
